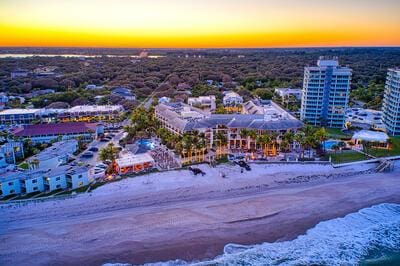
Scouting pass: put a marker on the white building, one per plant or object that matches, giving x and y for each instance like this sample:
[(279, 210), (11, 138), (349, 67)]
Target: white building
[(203, 102), (19, 116), (10, 184), (286, 93), (375, 138), (133, 163), (57, 154), (232, 99), (326, 90), (391, 102)]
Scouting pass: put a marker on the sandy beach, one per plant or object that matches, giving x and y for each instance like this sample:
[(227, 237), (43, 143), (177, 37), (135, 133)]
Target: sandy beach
[(175, 215)]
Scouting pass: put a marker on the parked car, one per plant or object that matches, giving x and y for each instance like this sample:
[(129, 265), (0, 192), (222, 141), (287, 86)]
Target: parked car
[(104, 140), (87, 154), (94, 149)]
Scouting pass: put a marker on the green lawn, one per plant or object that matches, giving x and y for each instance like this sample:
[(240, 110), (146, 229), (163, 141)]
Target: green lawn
[(336, 133), (24, 165), (346, 157), (395, 149)]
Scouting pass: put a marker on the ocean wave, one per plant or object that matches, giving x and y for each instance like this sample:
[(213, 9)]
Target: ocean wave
[(340, 241)]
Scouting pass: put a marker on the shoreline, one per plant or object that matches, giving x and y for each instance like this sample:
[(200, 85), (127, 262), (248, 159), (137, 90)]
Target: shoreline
[(125, 228)]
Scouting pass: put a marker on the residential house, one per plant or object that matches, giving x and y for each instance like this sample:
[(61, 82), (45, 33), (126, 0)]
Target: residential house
[(203, 102), (124, 93)]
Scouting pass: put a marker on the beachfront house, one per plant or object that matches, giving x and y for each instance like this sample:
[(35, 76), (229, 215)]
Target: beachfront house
[(10, 184), (34, 182), (78, 177), (128, 163), (55, 179)]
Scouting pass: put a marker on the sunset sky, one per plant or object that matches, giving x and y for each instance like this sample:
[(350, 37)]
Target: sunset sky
[(199, 24)]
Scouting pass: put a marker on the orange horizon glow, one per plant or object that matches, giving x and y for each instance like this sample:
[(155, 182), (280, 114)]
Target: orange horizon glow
[(199, 24)]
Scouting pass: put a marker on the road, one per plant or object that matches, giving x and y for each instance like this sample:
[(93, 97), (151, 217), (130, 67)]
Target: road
[(100, 144)]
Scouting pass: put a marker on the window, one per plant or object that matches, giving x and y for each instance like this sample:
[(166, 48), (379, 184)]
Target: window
[(10, 183), (58, 186), (34, 181), (35, 188), (12, 191), (79, 176), (58, 179)]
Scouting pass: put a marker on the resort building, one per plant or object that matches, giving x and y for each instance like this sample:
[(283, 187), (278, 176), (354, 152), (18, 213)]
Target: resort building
[(57, 154), (128, 162), (203, 102), (91, 113), (391, 102), (176, 116), (42, 133), (19, 116), (239, 130), (325, 95)]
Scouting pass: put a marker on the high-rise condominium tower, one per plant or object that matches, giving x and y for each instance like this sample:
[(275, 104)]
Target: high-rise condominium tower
[(326, 90)]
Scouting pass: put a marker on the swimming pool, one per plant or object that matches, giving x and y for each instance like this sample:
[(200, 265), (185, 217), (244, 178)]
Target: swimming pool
[(145, 145), (330, 143)]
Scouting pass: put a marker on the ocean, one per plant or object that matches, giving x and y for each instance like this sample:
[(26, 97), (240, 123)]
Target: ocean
[(368, 237)]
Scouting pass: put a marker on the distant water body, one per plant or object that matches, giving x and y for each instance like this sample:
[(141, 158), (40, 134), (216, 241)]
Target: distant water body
[(70, 55), (368, 237)]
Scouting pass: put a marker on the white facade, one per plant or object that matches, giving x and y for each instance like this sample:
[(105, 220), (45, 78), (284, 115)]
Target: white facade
[(391, 102), (325, 96), (203, 102), (232, 99)]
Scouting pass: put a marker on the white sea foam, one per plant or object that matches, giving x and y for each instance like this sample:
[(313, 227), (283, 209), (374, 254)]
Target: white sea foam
[(341, 241)]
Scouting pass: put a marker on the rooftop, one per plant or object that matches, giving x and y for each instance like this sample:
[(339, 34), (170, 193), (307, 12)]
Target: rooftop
[(57, 149), (20, 111), (373, 136), (55, 129), (128, 159), (94, 108)]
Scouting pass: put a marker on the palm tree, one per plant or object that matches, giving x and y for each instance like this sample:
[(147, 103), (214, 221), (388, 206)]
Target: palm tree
[(252, 134), (289, 139), (264, 141), (244, 134), (322, 136), (299, 137), (222, 141)]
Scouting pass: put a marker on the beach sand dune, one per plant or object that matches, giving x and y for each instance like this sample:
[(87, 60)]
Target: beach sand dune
[(176, 215)]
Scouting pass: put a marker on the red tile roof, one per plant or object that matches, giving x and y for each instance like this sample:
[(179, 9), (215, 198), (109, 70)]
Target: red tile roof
[(55, 129)]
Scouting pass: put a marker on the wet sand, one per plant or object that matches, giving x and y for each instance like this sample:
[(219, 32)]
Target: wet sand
[(190, 223)]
